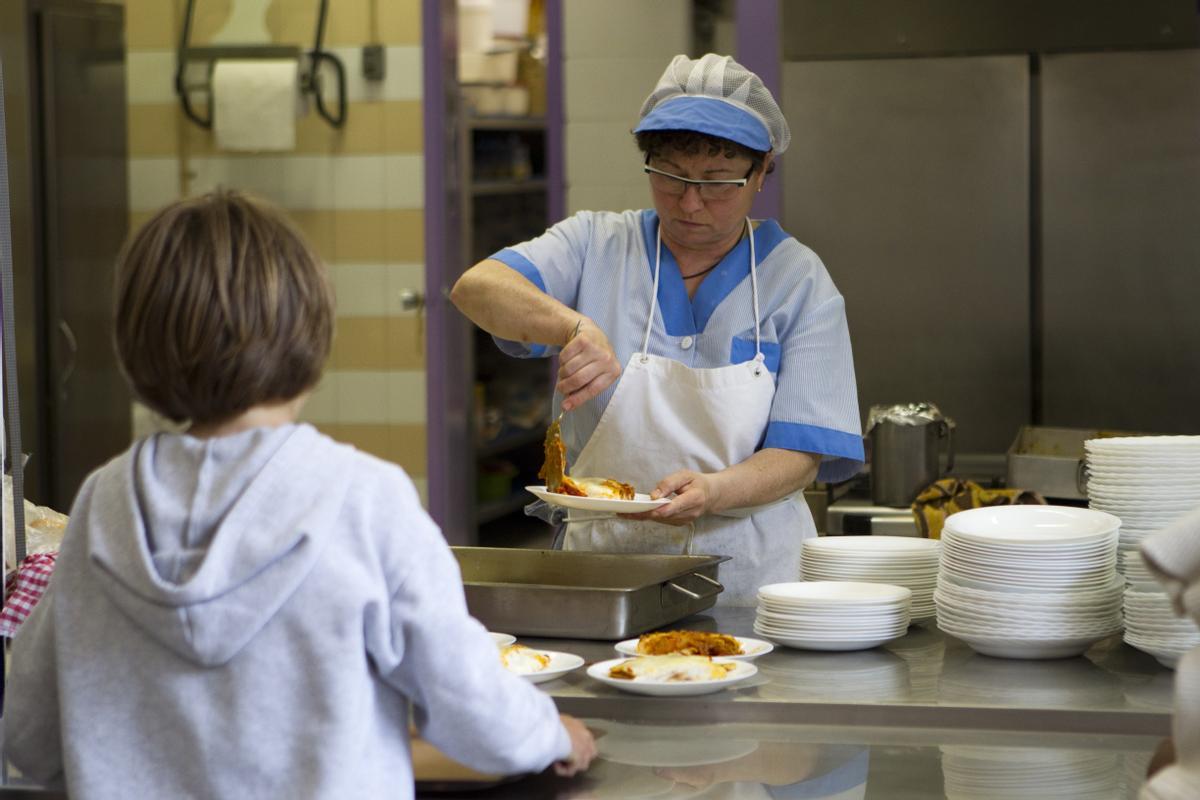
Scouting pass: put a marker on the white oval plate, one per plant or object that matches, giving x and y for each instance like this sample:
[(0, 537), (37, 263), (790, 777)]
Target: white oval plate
[(639, 503), (502, 639), (560, 664), (1029, 524), (834, 593), (1028, 648), (752, 648), (875, 545), (742, 671), (821, 643)]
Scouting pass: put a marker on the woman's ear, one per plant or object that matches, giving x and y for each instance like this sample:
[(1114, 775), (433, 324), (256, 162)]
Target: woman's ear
[(766, 167)]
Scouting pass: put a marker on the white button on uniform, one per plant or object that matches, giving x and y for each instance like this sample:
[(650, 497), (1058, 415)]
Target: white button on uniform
[(686, 343)]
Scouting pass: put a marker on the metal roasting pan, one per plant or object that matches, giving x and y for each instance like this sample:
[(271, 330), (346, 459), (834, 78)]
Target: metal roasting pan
[(580, 595)]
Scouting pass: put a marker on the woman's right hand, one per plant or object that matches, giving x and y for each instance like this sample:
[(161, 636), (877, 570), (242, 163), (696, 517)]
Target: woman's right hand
[(587, 366), (583, 748)]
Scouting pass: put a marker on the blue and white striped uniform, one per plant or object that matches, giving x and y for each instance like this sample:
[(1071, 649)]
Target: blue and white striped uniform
[(602, 265)]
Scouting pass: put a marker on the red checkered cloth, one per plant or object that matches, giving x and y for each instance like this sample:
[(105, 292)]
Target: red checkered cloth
[(23, 589)]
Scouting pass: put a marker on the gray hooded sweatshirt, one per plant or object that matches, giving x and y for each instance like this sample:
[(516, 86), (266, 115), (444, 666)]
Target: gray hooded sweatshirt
[(251, 616)]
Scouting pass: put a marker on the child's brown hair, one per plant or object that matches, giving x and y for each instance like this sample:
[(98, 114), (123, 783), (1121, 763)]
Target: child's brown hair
[(221, 305)]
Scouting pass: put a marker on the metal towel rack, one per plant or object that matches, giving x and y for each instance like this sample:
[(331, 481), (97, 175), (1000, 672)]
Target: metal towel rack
[(310, 80)]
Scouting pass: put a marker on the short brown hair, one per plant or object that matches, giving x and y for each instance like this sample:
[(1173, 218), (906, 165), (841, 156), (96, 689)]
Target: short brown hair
[(221, 305), (692, 143)]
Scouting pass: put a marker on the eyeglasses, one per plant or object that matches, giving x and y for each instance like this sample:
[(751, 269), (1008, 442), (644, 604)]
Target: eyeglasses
[(675, 185)]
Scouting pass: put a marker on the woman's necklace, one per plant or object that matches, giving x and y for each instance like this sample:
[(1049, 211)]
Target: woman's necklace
[(701, 272)]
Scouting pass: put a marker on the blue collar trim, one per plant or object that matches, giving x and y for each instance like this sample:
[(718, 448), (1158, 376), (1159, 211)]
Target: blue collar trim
[(684, 316)]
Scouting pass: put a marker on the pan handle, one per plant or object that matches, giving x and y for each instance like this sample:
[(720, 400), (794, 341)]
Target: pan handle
[(717, 587), (688, 592)]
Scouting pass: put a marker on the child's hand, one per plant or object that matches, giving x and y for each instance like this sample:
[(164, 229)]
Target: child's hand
[(583, 748)]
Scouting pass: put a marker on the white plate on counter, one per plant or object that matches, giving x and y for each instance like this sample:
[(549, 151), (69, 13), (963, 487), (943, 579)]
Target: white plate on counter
[(743, 670), (502, 639), (752, 648), (639, 503), (830, 644), (560, 664)]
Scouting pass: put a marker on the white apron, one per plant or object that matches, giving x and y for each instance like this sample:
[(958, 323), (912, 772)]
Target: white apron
[(666, 416)]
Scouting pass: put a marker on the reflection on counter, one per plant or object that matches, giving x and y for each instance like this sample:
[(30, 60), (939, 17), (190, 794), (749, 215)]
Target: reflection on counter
[(765, 762), (707, 761)]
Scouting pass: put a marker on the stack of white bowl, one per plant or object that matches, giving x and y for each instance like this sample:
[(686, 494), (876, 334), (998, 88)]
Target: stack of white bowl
[(896, 560), (1147, 481), (1029, 581), (1025, 772), (832, 615), (1151, 623)]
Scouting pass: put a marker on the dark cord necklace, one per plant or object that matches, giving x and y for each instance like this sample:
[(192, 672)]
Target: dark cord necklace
[(701, 272)]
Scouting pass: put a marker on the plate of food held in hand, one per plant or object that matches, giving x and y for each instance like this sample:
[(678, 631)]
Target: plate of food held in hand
[(585, 494), (695, 643), (672, 675), (538, 666)]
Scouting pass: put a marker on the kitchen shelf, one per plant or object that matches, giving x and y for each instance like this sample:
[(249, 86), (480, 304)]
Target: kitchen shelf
[(510, 441), (479, 188), (499, 508)]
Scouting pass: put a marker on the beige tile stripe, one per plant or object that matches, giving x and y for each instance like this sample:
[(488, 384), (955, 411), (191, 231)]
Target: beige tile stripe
[(154, 24), (378, 343), (401, 444), (387, 235), (371, 128)]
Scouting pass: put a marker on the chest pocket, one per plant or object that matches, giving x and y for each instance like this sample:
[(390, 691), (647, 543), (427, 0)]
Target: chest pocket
[(743, 350)]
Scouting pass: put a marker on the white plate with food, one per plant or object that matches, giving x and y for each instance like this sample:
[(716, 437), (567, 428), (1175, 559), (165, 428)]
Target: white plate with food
[(538, 666), (502, 639), (639, 503), (695, 643), (672, 676)]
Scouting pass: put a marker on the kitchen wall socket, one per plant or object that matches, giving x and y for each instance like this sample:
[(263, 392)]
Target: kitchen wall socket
[(374, 62)]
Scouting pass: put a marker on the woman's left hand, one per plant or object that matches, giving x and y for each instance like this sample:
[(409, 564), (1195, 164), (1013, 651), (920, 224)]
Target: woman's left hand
[(696, 494)]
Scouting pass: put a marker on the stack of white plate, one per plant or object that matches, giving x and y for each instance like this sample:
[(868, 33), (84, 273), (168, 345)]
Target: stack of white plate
[(1151, 625), (1023, 772), (1029, 581), (832, 615), (1147, 481), (896, 560)]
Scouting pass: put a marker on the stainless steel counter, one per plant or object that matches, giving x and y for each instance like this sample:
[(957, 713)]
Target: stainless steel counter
[(924, 680), (739, 761)]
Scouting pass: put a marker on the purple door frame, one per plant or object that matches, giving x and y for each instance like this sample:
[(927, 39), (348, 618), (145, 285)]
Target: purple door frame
[(449, 453), (758, 49), (447, 445)]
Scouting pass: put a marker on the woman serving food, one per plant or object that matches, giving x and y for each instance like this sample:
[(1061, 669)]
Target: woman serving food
[(703, 357)]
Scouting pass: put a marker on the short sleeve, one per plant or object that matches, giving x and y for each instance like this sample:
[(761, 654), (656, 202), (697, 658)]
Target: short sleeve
[(553, 262), (815, 409)]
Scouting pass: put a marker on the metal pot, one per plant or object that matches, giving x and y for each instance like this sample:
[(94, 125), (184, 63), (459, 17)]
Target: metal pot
[(905, 454)]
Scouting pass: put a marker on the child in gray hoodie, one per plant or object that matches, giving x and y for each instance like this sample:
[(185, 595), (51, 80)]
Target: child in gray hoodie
[(250, 609)]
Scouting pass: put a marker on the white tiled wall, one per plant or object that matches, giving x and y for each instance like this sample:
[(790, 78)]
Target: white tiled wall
[(614, 53), (367, 397), (373, 290)]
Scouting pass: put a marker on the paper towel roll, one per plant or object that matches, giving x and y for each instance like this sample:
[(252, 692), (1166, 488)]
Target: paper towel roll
[(255, 103)]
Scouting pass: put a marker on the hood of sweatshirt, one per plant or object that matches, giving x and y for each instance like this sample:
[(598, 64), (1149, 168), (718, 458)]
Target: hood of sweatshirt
[(200, 541)]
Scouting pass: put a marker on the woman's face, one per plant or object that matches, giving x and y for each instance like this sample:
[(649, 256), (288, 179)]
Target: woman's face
[(693, 221)]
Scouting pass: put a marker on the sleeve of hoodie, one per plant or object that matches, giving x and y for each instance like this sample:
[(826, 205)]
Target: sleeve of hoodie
[(465, 703), (33, 740)]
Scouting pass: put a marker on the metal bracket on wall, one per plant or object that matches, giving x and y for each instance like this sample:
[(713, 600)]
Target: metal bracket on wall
[(310, 80)]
